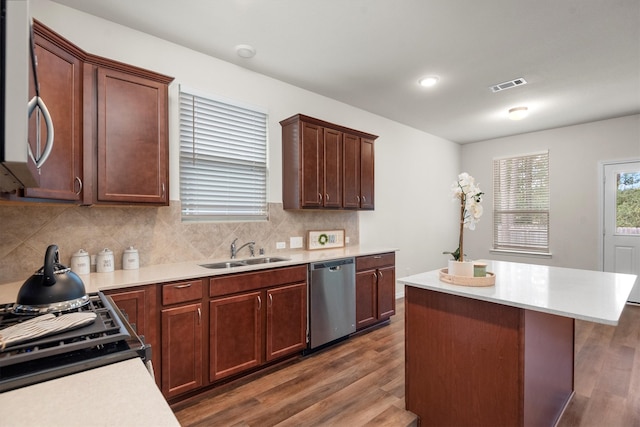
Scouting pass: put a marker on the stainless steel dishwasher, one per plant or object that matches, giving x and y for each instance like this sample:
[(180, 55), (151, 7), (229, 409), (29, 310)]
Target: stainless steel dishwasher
[(332, 300)]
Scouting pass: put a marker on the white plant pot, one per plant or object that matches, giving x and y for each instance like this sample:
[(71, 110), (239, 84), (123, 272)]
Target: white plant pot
[(457, 268)]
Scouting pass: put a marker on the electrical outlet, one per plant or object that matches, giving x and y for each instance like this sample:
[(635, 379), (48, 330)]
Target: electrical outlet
[(281, 245), (346, 240), (295, 242)]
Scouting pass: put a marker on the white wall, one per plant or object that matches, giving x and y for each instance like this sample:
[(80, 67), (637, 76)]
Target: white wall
[(413, 169), (575, 153)]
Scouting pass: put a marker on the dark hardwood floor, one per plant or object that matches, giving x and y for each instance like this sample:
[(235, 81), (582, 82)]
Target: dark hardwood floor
[(361, 382)]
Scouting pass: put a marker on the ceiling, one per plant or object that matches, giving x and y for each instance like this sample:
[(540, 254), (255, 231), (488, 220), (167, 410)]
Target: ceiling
[(580, 58)]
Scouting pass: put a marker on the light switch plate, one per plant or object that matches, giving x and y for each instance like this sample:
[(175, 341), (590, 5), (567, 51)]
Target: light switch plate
[(295, 242)]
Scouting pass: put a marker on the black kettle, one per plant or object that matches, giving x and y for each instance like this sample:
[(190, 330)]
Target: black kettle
[(53, 288)]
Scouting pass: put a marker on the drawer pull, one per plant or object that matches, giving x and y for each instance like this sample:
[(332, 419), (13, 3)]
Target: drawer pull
[(199, 316), (270, 300), (188, 285), (377, 257)]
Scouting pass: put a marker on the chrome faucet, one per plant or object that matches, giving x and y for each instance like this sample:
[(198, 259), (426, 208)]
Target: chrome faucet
[(235, 250)]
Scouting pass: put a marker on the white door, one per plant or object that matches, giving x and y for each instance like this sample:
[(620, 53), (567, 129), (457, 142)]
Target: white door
[(622, 221)]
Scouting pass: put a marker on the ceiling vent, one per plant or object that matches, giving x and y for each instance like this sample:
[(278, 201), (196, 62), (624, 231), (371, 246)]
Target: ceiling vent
[(508, 85)]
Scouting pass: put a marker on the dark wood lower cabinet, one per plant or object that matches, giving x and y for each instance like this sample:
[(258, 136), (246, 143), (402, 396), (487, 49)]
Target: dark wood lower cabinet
[(140, 306), (235, 334), (182, 356), (286, 320), (375, 289), (254, 328)]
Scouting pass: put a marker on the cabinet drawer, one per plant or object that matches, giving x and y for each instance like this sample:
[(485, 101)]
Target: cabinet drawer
[(242, 282), (374, 261), (182, 291)]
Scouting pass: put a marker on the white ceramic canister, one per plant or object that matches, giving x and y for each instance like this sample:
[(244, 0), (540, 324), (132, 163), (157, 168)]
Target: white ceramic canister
[(130, 259), (104, 261), (81, 262)]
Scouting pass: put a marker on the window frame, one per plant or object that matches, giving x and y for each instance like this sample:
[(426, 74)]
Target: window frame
[(233, 143), (536, 239)]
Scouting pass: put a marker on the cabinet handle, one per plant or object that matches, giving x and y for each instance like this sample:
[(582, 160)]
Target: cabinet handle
[(188, 285), (259, 303), (358, 197), (377, 257), (199, 316), (381, 276), (364, 199), (326, 197), (270, 300), (320, 197), (79, 181), (375, 276), (163, 191)]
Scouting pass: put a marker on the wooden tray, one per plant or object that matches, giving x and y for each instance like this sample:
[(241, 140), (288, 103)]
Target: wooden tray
[(488, 280)]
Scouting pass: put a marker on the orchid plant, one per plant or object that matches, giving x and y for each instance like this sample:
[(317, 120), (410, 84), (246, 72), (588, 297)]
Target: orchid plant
[(469, 195)]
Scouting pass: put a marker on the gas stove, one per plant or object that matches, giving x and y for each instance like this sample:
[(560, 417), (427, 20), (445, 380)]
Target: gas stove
[(109, 339)]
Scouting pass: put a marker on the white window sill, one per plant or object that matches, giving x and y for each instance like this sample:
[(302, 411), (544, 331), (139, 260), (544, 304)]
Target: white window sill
[(521, 253)]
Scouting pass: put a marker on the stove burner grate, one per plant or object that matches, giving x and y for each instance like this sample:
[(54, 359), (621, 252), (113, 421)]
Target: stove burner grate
[(106, 329)]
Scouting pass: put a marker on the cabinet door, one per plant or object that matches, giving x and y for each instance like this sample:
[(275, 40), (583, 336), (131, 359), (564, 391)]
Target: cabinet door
[(286, 320), (140, 307), (366, 174), (366, 298), (386, 292), (351, 171), (133, 304), (131, 139), (235, 334), (312, 162), (60, 82), (332, 197), (181, 349)]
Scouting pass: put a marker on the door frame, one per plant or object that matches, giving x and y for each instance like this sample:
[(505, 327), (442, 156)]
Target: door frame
[(601, 165)]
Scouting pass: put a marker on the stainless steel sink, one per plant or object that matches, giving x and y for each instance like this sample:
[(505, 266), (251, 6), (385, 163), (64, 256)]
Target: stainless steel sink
[(244, 262), (224, 264), (265, 260)]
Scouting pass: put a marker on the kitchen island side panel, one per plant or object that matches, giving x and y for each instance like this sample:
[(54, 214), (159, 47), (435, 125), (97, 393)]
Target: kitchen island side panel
[(462, 360), (548, 363), (472, 362)]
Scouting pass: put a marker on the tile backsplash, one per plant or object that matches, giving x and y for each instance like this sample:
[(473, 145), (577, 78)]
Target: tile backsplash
[(158, 233)]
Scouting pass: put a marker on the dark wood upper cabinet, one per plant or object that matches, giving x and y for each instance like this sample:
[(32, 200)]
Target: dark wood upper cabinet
[(332, 197), (60, 86), (111, 143), (326, 165), (351, 171), (132, 138), (366, 174), (126, 127)]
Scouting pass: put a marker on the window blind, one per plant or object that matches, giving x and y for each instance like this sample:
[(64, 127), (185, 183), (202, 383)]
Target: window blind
[(223, 159), (521, 203)]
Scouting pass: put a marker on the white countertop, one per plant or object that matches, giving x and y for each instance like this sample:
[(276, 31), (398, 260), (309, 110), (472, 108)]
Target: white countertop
[(594, 296), (121, 394), (163, 273)]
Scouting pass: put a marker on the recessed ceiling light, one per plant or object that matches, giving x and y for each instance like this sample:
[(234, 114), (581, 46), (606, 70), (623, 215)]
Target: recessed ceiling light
[(429, 81), (245, 51), (518, 113)]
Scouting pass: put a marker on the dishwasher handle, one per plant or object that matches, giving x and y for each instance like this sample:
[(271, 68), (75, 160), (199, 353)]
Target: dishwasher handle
[(333, 265)]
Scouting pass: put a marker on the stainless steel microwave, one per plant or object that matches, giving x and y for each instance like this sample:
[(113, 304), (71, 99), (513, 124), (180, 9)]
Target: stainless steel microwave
[(18, 64)]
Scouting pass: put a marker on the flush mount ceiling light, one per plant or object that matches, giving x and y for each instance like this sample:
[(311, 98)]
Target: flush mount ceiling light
[(245, 51), (429, 81), (518, 113)]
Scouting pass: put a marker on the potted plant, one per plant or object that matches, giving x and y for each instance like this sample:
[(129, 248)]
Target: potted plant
[(468, 194)]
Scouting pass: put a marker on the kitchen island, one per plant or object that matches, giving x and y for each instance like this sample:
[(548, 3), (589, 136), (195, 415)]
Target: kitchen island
[(503, 354)]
